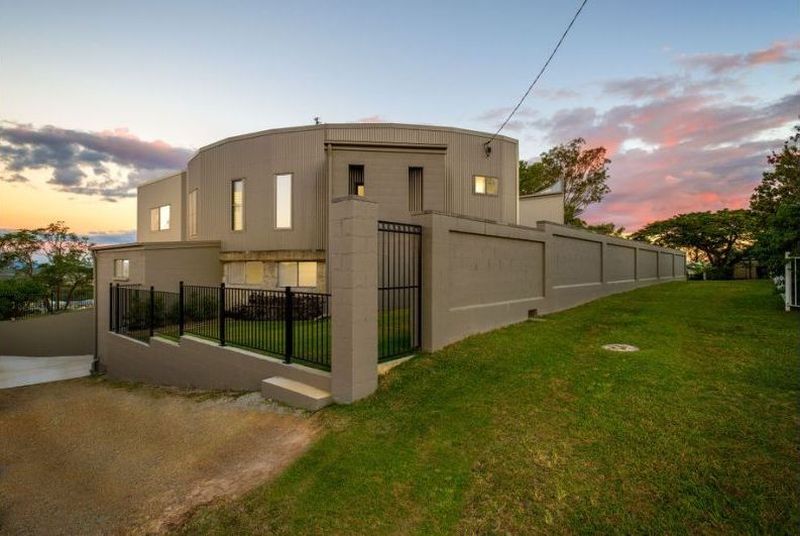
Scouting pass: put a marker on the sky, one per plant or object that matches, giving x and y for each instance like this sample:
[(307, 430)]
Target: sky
[(95, 97)]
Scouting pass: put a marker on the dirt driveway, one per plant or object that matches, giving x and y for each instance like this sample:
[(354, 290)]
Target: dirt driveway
[(88, 456)]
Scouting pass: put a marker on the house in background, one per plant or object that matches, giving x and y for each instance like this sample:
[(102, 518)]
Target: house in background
[(390, 238)]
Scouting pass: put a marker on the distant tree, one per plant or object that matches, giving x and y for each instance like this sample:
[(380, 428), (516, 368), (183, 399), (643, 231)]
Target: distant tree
[(534, 177), (721, 238), (775, 205), (583, 172), (64, 264), (607, 228)]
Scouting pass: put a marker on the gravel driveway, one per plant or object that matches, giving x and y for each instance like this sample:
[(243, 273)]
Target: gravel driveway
[(88, 456)]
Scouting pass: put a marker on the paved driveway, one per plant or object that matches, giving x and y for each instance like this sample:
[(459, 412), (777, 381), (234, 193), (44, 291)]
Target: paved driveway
[(90, 457), (17, 370)]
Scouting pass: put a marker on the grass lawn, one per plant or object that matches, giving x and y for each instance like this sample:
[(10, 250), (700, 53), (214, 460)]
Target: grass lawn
[(535, 429)]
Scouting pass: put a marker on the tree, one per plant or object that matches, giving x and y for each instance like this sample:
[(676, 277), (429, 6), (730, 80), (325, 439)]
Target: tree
[(64, 268), (607, 228), (721, 237), (775, 205), (583, 172)]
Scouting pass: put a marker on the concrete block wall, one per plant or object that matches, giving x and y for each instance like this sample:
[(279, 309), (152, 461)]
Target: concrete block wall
[(480, 275)]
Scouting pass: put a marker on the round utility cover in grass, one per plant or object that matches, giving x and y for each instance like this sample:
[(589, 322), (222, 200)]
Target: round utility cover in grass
[(617, 347)]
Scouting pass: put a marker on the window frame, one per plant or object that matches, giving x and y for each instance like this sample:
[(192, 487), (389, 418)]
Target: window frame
[(291, 201), (155, 217), (297, 274), (126, 269), (191, 210), (419, 191), (362, 186), (233, 206), (486, 180)]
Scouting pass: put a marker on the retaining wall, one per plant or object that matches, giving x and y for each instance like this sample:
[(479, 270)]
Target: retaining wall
[(67, 333)]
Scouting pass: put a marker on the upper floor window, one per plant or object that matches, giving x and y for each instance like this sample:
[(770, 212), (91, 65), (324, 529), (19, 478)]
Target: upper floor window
[(159, 218), (482, 185), (283, 201), (191, 211), (356, 179), (237, 205), (122, 268), (415, 189)]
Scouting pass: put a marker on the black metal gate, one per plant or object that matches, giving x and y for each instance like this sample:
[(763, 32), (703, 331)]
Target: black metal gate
[(399, 289)]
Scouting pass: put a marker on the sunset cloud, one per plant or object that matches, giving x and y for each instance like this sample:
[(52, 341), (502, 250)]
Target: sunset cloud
[(779, 52), (109, 164)]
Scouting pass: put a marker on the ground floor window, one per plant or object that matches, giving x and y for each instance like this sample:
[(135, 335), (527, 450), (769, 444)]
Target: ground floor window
[(122, 268), (297, 274)]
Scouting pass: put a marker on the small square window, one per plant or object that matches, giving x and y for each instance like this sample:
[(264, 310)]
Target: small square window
[(122, 268), (159, 218), (485, 185), (297, 274), (254, 273)]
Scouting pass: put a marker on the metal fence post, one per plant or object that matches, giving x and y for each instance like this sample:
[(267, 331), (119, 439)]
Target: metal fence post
[(222, 314), (288, 326), (152, 315), (180, 309), (116, 309), (110, 306)]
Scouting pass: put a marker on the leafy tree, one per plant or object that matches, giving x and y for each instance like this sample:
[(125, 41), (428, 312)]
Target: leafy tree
[(721, 238), (775, 204), (65, 266), (583, 172)]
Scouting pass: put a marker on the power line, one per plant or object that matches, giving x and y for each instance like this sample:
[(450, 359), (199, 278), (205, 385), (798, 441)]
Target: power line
[(541, 72)]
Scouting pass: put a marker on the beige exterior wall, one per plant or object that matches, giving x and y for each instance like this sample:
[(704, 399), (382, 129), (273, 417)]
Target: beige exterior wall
[(450, 157), (536, 208), (166, 191), (479, 276), (68, 333)]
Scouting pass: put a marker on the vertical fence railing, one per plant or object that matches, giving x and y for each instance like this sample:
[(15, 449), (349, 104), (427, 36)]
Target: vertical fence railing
[(399, 289), (289, 324)]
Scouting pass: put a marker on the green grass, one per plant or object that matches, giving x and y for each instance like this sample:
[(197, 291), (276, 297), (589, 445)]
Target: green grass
[(535, 429)]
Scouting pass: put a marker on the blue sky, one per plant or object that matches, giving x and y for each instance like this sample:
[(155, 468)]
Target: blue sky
[(191, 73)]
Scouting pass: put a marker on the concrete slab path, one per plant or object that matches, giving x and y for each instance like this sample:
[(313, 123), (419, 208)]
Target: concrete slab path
[(16, 371)]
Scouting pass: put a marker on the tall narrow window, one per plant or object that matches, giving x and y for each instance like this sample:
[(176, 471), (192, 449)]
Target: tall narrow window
[(415, 189), (154, 219), (356, 175), (192, 213), (237, 205), (283, 201)]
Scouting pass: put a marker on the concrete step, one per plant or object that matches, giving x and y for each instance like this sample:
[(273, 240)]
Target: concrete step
[(295, 393)]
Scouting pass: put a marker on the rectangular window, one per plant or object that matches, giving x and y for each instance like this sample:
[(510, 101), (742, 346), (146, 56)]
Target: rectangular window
[(297, 274), (356, 177), (485, 185), (283, 201), (122, 268), (163, 218), (237, 204), (159, 218), (415, 189), (254, 273), (192, 213)]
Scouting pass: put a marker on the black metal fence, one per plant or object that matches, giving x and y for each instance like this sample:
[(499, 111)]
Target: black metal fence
[(286, 323), (399, 289), (20, 305)]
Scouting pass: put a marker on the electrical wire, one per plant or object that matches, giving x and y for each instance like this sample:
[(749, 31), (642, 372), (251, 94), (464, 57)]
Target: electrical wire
[(541, 72)]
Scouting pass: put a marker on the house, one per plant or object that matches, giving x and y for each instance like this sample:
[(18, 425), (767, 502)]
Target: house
[(335, 246)]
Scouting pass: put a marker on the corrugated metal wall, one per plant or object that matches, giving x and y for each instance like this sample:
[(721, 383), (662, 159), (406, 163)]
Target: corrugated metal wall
[(301, 151)]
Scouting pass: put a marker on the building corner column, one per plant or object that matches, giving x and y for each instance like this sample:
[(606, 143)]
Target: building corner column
[(353, 285)]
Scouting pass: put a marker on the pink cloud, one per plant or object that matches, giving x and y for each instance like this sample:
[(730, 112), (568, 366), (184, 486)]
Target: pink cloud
[(779, 52), (373, 119)]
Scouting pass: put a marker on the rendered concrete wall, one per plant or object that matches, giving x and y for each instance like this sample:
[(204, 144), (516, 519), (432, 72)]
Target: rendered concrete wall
[(478, 275), (198, 363), (68, 333), (353, 264), (536, 208)]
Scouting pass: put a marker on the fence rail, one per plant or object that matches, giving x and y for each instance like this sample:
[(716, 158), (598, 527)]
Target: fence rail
[(20, 305), (286, 323)]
